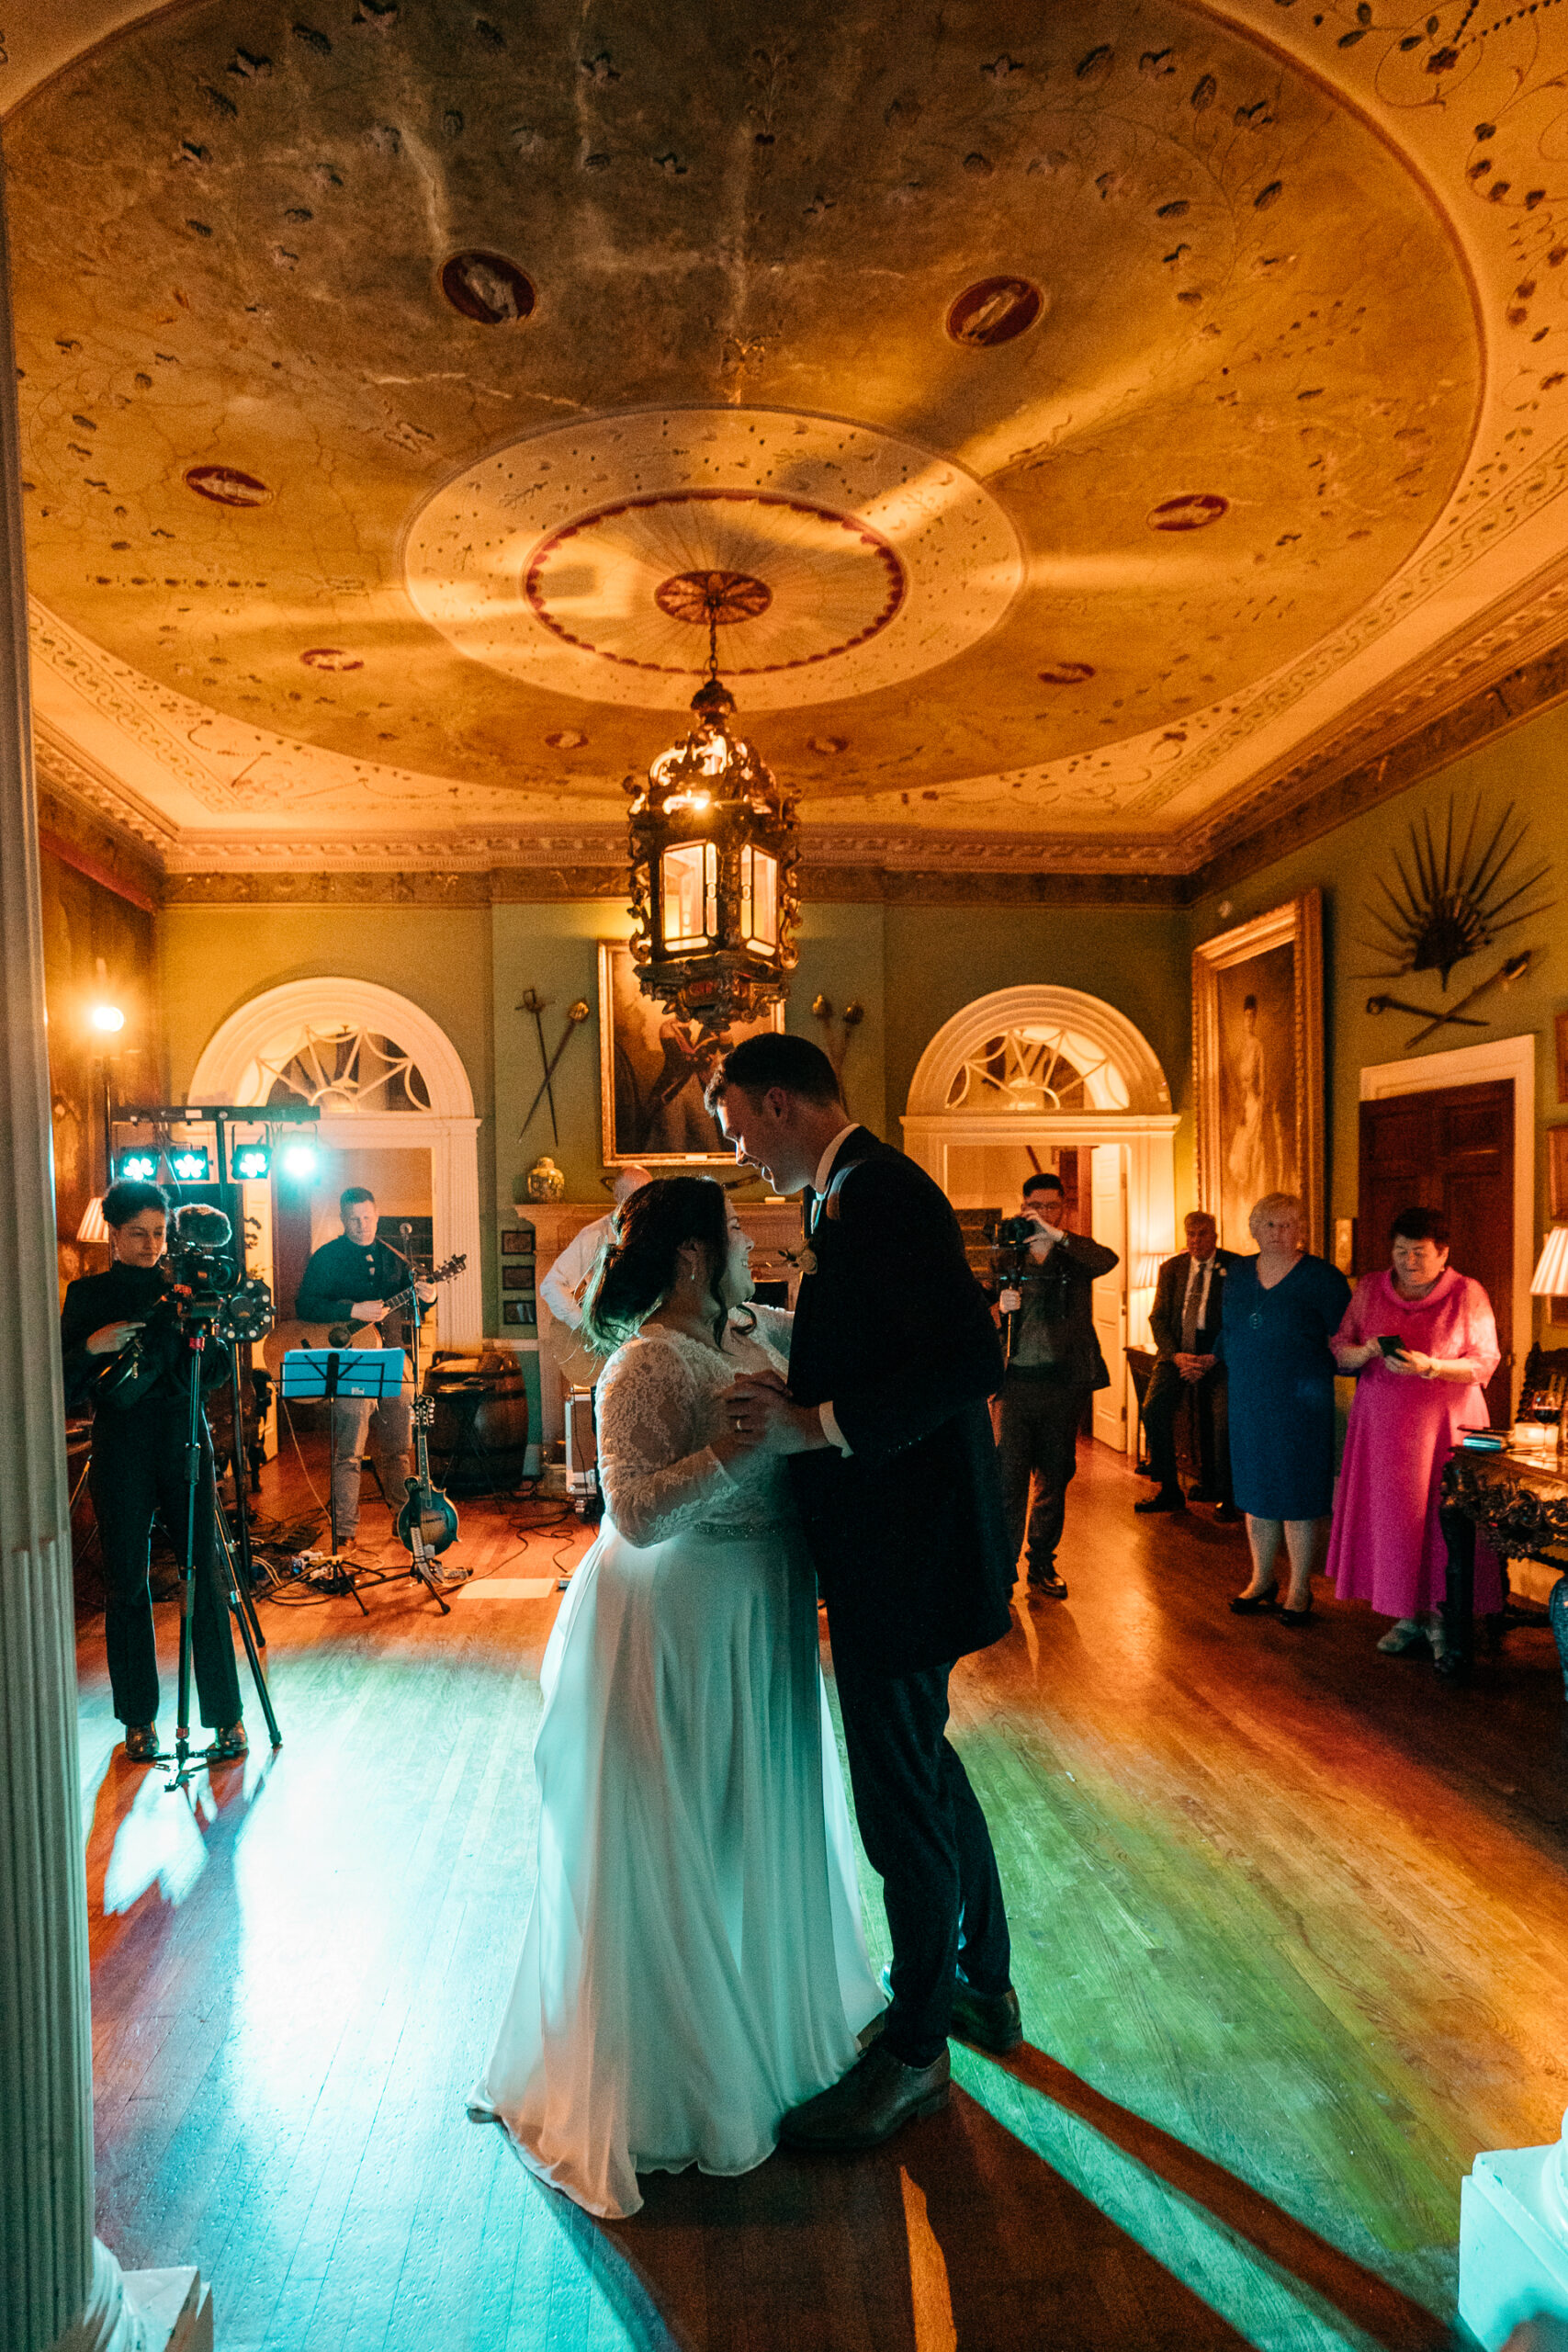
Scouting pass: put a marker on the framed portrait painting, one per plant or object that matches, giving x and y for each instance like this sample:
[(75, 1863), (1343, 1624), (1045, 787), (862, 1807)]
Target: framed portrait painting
[(653, 1069), (1258, 1065)]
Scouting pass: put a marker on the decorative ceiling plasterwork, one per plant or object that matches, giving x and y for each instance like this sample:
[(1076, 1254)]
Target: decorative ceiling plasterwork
[(879, 560), (1205, 369)]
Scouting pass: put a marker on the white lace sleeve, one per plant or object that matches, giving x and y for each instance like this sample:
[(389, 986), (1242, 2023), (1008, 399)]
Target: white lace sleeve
[(657, 1470)]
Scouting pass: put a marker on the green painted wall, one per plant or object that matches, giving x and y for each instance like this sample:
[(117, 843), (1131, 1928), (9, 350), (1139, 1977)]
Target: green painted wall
[(1529, 767)]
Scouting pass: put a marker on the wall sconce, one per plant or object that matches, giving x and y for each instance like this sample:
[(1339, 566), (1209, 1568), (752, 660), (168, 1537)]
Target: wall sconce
[(837, 1048)]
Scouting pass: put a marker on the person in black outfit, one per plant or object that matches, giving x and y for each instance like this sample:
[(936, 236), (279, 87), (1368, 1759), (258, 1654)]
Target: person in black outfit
[(1053, 1367), (893, 1358), (349, 1280), (137, 1468), (1185, 1320)]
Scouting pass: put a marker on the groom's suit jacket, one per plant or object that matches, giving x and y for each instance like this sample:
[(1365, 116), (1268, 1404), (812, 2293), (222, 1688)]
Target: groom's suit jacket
[(892, 1329)]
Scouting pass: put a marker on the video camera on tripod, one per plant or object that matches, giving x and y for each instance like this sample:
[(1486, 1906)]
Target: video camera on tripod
[(203, 1291)]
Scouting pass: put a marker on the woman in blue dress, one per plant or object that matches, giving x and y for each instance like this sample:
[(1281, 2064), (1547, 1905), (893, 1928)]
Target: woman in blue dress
[(1282, 1309)]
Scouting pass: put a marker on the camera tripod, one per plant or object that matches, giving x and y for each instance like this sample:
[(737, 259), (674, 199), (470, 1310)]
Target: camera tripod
[(241, 1605)]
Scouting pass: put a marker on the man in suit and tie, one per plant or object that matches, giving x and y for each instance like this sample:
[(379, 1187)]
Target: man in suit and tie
[(892, 1360), (1185, 1320)]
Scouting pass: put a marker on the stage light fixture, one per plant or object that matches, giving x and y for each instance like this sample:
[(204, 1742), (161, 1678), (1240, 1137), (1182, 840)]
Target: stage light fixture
[(140, 1167), (299, 1161), (253, 1163), (108, 1018), (191, 1164)]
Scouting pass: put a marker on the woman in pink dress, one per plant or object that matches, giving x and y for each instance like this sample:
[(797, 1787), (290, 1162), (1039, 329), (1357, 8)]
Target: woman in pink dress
[(1386, 1545)]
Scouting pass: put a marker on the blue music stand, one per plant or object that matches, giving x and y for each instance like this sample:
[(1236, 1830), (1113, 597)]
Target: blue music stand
[(320, 1375)]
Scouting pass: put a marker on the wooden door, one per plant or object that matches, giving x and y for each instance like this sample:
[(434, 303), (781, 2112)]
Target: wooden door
[(1450, 1149), (1108, 1197)]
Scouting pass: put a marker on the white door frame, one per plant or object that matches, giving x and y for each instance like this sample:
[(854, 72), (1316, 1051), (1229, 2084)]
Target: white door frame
[(228, 1071), (1149, 1139), (1479, 1066), (1147, 1128)]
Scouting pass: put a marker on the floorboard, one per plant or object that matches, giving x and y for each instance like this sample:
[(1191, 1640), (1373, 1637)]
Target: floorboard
[(1290, 1937)]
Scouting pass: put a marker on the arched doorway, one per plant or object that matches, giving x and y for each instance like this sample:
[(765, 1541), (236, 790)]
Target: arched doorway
[(1023, 1076), (386, 1078)]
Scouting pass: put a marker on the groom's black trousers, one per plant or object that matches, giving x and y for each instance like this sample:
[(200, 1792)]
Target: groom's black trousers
[(927, 1837)]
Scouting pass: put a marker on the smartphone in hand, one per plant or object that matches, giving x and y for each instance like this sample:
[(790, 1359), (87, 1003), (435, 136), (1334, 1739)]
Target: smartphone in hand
[(1392, 1344)]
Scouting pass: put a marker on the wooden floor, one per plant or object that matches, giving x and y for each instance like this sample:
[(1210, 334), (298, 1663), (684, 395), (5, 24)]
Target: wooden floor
[(1291, 1937)]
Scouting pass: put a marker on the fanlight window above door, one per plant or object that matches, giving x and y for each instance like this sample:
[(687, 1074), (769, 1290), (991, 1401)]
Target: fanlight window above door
[(1036, 1068), (345, 1072)]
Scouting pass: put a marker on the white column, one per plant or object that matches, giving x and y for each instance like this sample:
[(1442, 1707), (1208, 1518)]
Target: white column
[(1513, 2245), (58, 2286)]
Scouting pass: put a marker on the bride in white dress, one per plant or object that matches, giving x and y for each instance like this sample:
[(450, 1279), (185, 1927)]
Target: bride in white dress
[(693, 1962)]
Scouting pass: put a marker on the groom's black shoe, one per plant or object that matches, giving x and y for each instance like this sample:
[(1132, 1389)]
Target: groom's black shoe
[(990, 2020), (868, 2104), (986, 2020)]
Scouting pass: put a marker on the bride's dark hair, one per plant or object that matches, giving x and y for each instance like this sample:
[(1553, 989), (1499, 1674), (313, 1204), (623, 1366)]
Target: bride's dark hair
[(636, 1270)]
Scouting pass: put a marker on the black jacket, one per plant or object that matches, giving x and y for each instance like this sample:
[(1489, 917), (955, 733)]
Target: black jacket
[(893, 1330), (1066, 1277), (1165, 1314), (342, 1273), (127, 1295)]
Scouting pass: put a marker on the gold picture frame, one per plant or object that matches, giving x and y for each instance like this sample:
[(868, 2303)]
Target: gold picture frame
[(652, 1069), (1557, 1173), (1258, 1067)]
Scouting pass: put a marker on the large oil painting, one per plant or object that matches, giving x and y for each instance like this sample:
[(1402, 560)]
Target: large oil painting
[(1258, 1057), (654, 1069)]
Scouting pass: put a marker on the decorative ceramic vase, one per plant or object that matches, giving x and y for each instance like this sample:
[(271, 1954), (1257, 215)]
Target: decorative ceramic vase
[(545, 1180)]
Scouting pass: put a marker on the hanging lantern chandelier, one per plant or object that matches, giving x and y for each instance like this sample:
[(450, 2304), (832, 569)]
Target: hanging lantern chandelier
[(714, 849)]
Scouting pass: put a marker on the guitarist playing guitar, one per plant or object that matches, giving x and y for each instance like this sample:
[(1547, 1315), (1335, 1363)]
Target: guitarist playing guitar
[(350, 1280)]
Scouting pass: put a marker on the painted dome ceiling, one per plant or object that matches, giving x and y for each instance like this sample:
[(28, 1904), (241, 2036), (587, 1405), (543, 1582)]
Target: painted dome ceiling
[(1096, 417)]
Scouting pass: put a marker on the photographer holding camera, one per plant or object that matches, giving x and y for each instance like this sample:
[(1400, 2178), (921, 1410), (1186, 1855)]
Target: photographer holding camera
[(1042, 1277), (138, 1468)]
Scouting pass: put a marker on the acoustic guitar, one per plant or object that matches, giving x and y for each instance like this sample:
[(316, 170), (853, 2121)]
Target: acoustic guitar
[(351, 1334)]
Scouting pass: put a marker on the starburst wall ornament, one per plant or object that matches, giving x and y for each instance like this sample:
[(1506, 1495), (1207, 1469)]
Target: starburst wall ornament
[(1454, 901)]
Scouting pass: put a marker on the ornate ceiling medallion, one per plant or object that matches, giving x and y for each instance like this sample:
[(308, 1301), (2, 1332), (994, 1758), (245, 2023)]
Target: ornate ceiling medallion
[(722, 598), (832, 581), (573, 562)]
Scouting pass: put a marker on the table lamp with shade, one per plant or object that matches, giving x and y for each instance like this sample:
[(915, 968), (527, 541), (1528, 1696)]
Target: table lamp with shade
[(1549, 1280), (1146, 1269), (93, 1227)]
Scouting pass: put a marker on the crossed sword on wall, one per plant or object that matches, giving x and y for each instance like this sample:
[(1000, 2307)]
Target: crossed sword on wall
[(1503, 977), (532, 1001)]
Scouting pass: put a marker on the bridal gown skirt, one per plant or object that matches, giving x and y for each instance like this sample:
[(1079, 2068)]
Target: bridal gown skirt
[(693, 1962)]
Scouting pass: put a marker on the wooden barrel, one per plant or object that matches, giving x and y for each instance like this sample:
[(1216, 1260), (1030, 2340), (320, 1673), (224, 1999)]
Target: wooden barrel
[(478, 1440)]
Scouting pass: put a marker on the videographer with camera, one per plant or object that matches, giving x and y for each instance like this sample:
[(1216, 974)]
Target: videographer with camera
[(1042, 1278), (126, 1327)]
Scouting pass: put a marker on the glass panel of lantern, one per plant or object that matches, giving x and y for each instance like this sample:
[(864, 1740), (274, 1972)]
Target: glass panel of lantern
[(688, 889), (758, 898)]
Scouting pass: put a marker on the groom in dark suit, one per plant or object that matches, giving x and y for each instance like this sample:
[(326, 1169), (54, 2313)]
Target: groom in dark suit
[(893, 1359)]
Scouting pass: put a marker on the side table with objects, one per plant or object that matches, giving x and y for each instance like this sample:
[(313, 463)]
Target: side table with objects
[(1518, 1492)]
